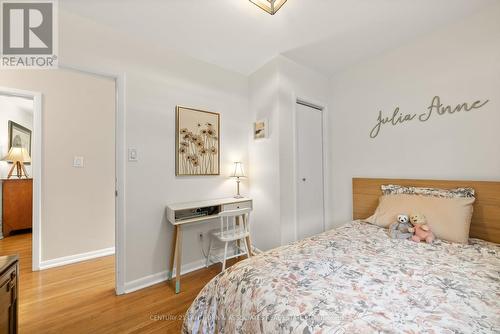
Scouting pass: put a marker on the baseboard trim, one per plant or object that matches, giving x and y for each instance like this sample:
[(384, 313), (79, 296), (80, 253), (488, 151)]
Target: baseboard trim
[(65, 260), (153, 279), (150, 280)]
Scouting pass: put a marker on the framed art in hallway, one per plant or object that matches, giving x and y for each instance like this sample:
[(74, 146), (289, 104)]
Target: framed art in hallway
[(19, 136), (197, 143)]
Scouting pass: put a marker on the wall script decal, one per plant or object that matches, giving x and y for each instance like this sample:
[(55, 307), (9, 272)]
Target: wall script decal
[(436, 107)]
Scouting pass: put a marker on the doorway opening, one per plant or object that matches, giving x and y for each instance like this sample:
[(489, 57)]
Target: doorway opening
[(83, 123), (20, 171)]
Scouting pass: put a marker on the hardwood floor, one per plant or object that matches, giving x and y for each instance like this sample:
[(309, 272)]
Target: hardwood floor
[(80, 298)]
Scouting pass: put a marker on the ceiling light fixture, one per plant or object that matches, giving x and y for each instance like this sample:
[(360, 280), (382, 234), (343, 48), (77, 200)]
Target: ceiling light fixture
[(270, 6)]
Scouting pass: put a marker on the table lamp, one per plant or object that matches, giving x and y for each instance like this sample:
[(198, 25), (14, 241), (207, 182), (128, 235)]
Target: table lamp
[(18, 156), (237, 173)]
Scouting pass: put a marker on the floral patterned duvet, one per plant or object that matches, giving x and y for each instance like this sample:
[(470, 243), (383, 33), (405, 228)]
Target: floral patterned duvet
[(355, 279)]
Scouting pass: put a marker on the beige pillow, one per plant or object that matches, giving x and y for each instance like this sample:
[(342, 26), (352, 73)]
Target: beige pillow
[(449, 218)]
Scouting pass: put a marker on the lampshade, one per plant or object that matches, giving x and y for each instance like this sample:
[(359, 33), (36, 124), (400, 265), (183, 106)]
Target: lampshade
[(17, 154), (238, 170), (270, 6)]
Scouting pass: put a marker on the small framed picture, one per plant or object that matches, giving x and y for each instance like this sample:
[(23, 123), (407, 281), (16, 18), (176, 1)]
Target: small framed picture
[(260, 129), (19, 136)]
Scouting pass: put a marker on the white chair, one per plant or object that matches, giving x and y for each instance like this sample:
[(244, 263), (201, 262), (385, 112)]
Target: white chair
[(234, 226)]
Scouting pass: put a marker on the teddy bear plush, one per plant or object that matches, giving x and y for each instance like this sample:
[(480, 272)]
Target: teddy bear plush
[(421, 230), (401, 228)]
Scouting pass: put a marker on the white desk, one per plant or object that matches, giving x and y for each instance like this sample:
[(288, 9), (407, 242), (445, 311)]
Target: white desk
[(180, 214)]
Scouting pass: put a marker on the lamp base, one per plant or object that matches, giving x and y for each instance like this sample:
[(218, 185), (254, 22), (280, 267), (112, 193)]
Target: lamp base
[(20, 169), (238, 188)]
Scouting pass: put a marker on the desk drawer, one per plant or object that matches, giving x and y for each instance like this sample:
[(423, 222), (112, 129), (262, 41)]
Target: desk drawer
[(236, 206)]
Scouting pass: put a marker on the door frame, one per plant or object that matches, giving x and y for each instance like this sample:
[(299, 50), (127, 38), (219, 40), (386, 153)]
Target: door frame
[(298, 99), (36, 168)]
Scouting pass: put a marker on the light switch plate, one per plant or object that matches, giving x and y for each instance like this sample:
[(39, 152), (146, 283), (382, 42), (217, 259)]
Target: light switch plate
[(78, 162), (132, 155)]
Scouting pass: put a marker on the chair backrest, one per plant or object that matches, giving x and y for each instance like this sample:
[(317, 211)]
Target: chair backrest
[(229, 219)]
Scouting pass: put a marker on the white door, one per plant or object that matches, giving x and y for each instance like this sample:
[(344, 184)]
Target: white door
[(309, 160)]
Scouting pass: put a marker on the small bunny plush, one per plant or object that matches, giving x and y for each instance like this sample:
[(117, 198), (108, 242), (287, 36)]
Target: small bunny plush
[(401, 228), (421, 229)]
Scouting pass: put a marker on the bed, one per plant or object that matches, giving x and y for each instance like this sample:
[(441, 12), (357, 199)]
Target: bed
[(355, 279)]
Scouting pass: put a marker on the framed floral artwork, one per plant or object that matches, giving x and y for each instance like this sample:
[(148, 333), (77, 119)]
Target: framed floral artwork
[(197, 142)]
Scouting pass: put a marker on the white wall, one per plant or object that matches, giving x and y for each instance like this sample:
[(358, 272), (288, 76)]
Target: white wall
[(264, 155), (78, 120), (273, 91), (155, 84), (460, 64)]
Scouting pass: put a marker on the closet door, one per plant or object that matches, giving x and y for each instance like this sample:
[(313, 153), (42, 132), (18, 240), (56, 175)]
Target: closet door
[(309, 160)]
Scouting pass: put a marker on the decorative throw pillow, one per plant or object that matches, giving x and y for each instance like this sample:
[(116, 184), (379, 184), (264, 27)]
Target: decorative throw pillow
[(448, 217), (393, 189)]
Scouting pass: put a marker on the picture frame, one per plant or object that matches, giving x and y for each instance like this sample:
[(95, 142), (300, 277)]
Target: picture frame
[(197, 142), (19, 136), (260, 129)]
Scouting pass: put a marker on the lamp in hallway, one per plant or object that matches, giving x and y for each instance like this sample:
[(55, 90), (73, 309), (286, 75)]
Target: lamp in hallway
[(18, 156), (238, 173)]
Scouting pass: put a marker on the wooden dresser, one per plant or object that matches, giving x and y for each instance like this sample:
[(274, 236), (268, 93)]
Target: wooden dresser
[(17, 205), (9, 282)]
